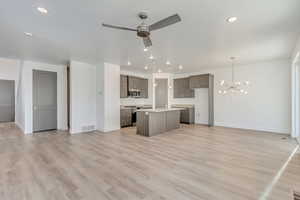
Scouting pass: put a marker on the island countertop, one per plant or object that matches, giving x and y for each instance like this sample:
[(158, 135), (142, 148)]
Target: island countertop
[(159, 110)]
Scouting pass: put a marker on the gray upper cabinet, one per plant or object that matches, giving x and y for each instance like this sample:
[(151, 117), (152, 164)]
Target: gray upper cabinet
[(182, 88), (199, 81), (133, 83), (123, 86)]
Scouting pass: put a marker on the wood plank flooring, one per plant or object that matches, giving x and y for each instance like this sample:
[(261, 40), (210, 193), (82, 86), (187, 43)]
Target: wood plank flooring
[(191, 163)]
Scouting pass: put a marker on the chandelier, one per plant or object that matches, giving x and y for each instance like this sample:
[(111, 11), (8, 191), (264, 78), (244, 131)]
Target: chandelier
[(233, 86)]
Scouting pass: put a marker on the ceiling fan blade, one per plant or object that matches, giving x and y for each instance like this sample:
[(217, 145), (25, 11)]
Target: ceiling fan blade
[(165, 22), (118, 27), (147, 42)]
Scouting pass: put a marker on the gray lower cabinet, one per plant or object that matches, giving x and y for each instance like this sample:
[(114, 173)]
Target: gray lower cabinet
[(199, 81), (187, 116), (172, 120), (182, 88), (123, 86), (154, 123), (126, 117)]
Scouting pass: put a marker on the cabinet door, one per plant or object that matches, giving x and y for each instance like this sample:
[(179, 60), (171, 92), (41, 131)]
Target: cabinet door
[(144, 88), (126, 117), (187, 91), (123, 86), (175, 88), (178, 88), (131, 83), (184, 116), (182, 88), (199, 81)]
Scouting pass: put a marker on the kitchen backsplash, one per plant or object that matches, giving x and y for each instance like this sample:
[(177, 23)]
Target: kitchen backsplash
[(135, 101)]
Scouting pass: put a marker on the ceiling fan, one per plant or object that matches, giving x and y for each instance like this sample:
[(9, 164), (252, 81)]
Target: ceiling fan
[(143, 30)]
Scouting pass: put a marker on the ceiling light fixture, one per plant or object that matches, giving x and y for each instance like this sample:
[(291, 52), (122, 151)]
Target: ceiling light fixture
[(233, 86), (42, 10), (28, 34), (159, 71), (180, 67), (231, 19), (151, 57), (128, 63), (146, 67), (145, 49), (168, 63)]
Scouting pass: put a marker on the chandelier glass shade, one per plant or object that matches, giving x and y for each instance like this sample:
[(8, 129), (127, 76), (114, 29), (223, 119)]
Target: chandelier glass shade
[(233, 87)]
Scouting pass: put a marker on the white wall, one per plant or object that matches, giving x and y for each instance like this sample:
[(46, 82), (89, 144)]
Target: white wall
[(26, 93), (265, 108), (10, 70), (296, 50), (108, 97), (138, 101), (295, 90), (82, 97)]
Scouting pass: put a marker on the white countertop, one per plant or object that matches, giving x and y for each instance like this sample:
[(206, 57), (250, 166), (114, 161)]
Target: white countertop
[(159, 110), (182, 106)]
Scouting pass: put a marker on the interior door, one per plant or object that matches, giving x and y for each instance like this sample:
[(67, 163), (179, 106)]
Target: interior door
[(44, 100), (7, 101), (161, 93)]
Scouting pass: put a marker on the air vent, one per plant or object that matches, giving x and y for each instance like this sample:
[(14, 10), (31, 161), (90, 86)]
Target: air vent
[(296, 195)]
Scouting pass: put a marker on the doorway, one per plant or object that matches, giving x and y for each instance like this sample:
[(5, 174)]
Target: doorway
[(161, 93), (7, 101), (44, 100)]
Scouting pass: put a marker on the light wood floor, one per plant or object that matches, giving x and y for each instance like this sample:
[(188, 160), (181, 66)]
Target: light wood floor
[(194, 162)]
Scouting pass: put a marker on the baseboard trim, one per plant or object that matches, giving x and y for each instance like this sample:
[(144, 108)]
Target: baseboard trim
[(246, 129)]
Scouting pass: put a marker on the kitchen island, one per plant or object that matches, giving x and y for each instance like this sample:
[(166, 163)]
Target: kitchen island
[(152, 122)]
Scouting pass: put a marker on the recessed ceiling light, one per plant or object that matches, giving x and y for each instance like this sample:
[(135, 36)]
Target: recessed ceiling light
[(42, 10), (28, 34), (180, 67), (231, 19), (128, 63), (146, 67), (159, 71), (145, 49), (151, 57), (168, 63)]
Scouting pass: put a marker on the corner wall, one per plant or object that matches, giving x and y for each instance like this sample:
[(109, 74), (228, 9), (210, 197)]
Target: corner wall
[(82, 97), (108, 97)]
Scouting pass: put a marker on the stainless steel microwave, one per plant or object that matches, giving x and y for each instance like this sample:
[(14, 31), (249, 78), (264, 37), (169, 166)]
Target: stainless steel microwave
[(134, 93)]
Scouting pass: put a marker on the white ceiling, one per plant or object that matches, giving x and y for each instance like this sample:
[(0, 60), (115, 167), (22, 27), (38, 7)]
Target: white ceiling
[(265, 30)]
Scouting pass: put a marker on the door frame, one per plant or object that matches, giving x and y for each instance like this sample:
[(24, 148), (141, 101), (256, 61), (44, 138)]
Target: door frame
[(295, 78), (154, 90), (33, 93), (14, 100)]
